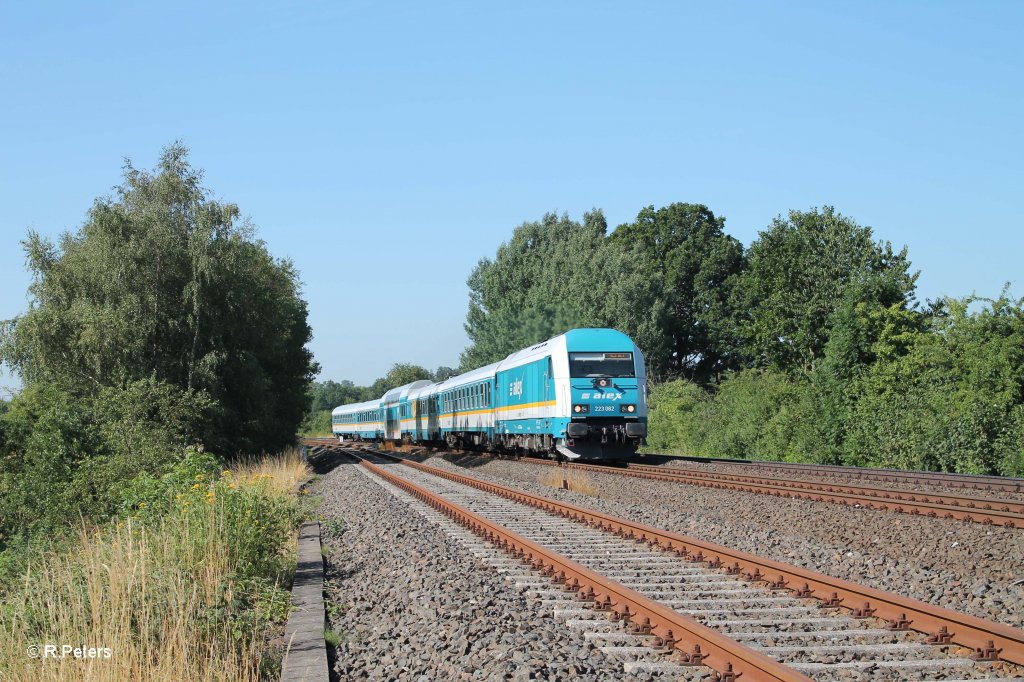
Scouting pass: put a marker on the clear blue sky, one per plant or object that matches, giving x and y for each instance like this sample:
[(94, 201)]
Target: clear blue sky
[(386, 147)]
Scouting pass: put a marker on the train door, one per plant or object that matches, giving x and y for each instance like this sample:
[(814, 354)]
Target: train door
[(433, 420), (389, 423)]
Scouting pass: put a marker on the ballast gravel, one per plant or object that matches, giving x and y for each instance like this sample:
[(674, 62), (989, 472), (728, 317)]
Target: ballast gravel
[(967, 567), (408, 602)]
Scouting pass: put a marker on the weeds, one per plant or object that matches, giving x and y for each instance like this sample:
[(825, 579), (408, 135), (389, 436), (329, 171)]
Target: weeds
[(335, 526), (185, 585), (578, 481), (332, 638)]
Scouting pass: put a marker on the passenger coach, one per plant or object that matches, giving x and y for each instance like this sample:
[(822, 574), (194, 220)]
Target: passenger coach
[(578, 395)]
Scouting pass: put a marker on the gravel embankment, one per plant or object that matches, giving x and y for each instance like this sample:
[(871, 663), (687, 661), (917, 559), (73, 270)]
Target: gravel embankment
[(968, 567), (411, 603)]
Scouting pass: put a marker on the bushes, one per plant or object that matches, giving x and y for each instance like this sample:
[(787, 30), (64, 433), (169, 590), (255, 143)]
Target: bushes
[(184, 585), (68, 458), (760, 414), (951, 400), (896, 389), (676, 410), (317, 424)]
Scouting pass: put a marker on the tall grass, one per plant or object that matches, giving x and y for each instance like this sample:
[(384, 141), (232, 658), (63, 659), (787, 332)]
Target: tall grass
[(188, 586), (283, 472)]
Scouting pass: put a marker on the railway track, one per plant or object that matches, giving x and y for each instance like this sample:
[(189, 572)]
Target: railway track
[(649, 591), (989, 511), (872, 474), (946, 480), (1005, 513)]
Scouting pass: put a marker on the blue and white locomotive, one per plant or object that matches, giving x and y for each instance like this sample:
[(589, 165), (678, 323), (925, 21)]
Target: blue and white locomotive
[(580, 395)]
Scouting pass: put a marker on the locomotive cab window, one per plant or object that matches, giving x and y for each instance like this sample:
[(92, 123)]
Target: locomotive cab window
[(586, 365)]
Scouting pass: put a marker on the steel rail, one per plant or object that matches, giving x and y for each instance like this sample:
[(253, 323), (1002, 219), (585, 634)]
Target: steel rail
[(697, 643), (879, 474), (988, 511), (988, 639), (886, 494), (1008, 514)]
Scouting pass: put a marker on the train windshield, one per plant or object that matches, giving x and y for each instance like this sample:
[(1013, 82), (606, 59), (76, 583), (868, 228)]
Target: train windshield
[(601, 365)]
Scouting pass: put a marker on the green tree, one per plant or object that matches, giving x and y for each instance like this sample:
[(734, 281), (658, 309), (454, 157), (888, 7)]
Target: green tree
[(947, 398), (554, 275), (327, 395), (400, 374), (443, 373), (798, 271), (696, 263), (164, 282), (862, 332)]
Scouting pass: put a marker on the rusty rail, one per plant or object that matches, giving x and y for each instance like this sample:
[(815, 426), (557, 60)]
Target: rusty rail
[(885, 494), (697, 643), (944, 626), (879, 474), (1006, 513)]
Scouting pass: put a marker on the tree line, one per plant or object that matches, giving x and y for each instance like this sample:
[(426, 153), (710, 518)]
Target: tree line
[(808, 345), (324, 396), (161, 324)]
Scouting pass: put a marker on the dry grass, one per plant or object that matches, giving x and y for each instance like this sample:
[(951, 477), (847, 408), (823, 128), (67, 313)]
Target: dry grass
[(579, 481), (165, 597), (284, 471)]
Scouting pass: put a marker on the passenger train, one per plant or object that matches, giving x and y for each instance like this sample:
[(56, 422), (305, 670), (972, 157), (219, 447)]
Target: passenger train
[(579, 395)]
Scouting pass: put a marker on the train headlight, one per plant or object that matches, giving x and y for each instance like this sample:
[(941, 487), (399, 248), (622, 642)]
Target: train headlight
[(581, 409), (629, 409)]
